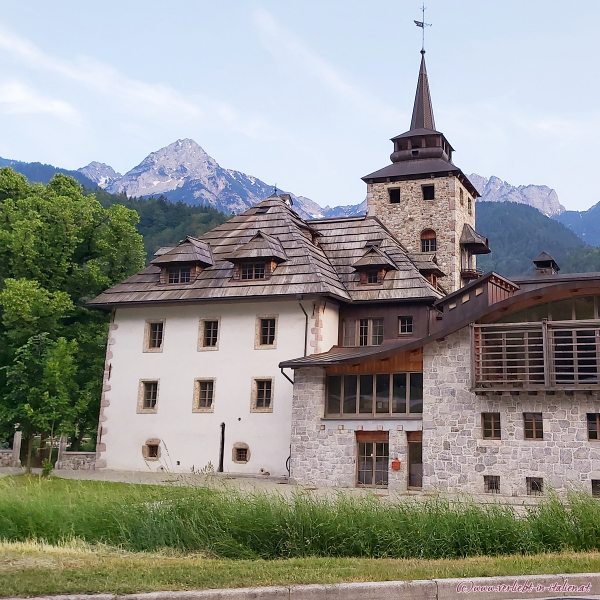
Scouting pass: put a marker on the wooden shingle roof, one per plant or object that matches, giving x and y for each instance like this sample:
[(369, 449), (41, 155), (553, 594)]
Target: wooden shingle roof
[(316, 258), (190, 250)]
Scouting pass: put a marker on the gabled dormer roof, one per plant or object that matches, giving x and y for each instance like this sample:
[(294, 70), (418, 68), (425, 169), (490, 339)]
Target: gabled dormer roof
[(374, 258), (189, 250), (260, 247)]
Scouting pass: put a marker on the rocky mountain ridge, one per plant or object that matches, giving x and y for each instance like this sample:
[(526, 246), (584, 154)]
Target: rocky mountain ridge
[(494, 189)]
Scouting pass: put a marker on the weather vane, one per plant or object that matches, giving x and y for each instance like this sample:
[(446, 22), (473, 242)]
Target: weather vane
[(422, 25)]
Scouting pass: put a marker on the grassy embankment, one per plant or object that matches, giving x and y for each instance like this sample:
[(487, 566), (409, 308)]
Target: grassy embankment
[(118, 537)]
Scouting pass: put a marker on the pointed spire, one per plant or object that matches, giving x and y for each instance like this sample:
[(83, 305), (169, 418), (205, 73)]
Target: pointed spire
[(422, 117)]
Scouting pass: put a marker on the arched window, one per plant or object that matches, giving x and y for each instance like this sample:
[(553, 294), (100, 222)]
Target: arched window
[(428, 241)]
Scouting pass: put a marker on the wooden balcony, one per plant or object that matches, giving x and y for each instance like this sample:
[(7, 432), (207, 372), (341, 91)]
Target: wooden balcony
[(469, 273), (551, 355)]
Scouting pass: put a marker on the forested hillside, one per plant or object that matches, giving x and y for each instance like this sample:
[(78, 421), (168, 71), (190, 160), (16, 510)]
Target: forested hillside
[(518, 233), (164, 223)]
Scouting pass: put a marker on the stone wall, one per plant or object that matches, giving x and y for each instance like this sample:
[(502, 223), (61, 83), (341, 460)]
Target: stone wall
[(455, 455), (6, 458), (323, 451), (446, 215), (77, 461)]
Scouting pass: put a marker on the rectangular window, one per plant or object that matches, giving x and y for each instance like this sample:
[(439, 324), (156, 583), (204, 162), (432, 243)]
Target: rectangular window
[(241, 455), (372, 276), (253, 270), (490, 425), (370, 332), (593, 426), (262, 395), (394, 194), (429, 245), (380, 395), (147, 396), (535, 486), (405, 325), (596, 488), (428, 192), (154, 336), (179, 274), (533, 426), (491, 484), (204, 393), (266, 331), (210, 333)]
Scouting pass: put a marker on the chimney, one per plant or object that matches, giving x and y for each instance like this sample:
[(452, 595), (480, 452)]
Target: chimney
[(545, 265)]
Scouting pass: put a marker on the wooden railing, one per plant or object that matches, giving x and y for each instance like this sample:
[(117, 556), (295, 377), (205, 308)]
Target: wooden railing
[(536, 356)]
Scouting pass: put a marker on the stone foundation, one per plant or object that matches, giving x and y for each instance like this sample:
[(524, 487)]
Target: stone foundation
[(77, 461), (455, 455)]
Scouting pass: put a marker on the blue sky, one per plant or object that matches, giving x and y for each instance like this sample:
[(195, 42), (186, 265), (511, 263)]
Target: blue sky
[(305, 93)]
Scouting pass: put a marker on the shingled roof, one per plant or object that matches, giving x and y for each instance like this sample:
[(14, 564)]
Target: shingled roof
[(190, 250), (316, 258)]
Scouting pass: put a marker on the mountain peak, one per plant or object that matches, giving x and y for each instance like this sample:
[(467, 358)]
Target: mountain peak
[(494, 189), (101, 174)]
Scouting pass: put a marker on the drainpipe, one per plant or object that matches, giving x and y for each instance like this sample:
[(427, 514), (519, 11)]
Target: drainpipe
[(221, 448), (305, 327)]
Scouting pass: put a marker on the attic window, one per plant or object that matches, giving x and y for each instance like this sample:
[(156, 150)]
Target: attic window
[(252, 270), (179, 274), (373, 243), (372, 276), (261, 210)]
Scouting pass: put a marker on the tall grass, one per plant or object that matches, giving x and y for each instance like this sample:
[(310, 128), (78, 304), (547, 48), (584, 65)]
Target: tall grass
[(240, 525)]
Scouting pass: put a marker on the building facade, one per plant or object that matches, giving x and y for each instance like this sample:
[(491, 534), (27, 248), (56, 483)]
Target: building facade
[(364, 351)]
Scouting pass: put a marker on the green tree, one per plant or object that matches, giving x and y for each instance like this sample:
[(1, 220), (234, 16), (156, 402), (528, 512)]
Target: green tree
[(41, 389), (58, 248)]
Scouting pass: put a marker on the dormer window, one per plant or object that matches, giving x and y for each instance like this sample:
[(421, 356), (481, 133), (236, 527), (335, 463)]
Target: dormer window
[(372, 276), (253, 270), (373, 265), (184, 262), (256, 259), (179, 274)]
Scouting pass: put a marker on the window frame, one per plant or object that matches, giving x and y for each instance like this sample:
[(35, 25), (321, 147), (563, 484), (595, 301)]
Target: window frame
[(370, 334), (148, 335), (234, 453), (198, 382), (253, 271), (407, 401), (184, 274), (491, 484), (408, 323), (494, 426), (531, 482), (537, 428), (596, 422), (142, 396), (258, 337), (254, 407), (428, 239), (202, 347)]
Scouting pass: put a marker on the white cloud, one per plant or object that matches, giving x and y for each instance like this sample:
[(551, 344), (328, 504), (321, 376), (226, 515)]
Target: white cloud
[(133, 96), (18, 98), (278, 39)]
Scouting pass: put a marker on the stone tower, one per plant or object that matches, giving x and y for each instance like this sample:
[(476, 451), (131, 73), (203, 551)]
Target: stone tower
[(426, 201)]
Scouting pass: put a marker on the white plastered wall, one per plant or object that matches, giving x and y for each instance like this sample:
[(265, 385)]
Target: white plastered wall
[(192, 440)]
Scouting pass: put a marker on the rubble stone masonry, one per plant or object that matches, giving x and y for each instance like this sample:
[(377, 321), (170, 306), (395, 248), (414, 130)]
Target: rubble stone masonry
[(446, 215), (323, 451), (455, 455)]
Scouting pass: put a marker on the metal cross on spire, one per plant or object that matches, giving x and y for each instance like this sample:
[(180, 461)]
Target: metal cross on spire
[(422, 25)]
